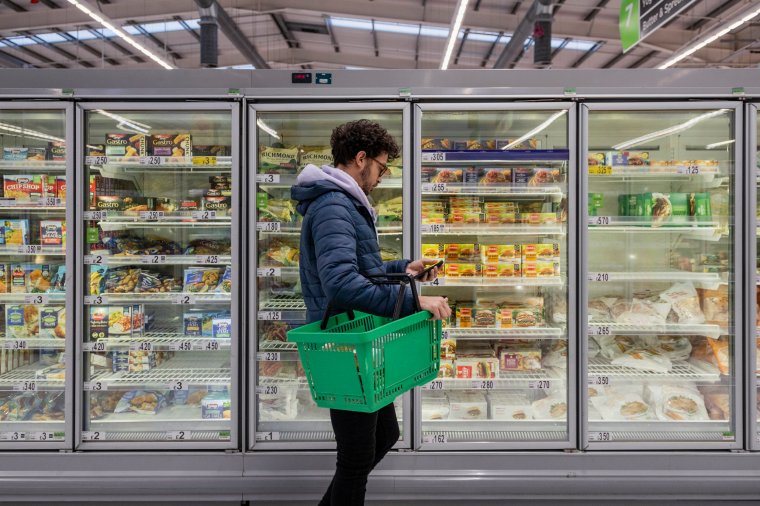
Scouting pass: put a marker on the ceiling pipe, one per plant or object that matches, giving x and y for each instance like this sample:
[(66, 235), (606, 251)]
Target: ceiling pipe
[(525, 29), (218, 16)]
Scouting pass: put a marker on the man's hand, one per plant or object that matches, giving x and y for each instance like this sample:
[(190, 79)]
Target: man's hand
[(418, 266), (438, 306)]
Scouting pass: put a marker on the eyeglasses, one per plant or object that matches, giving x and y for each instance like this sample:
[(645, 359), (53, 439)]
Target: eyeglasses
[(383, 167)]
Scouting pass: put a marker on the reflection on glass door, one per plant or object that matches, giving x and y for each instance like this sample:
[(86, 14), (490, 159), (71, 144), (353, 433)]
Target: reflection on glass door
[(660, 265), (494, 188)]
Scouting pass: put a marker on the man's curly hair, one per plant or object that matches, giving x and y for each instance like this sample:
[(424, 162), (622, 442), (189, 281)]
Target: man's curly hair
[(361, 135)]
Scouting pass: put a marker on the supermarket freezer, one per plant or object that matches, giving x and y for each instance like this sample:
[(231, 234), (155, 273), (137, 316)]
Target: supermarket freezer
[(158, 251), (36, 341), (495, 200), (751, 293), (661, 256), (282, 140)]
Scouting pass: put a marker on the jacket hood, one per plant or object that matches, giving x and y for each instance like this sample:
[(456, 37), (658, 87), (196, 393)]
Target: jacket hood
[(314, 181)]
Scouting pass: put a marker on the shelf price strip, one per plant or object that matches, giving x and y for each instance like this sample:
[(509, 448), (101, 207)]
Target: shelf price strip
[(599, 436), (203, 215), (267, 390), (267, 436), (31, 436), (268, 272), (433, 228), (207, 259), (268, 356), (601, 221), (268, 226), (434, 187), (437, 156), (599, 330), (26, 386), (269, 315), (30, 249), (152, 215), (183, 298), (36, 299), (599, 380), (95, 386), (97, 346), (436, 439), (93, 435), (179, 435), (96, 160), (539, 384), (268, 178), (95, 300), (18, 344)]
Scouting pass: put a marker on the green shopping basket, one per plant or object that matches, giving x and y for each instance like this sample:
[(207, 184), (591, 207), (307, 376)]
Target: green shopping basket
[(361, 362)]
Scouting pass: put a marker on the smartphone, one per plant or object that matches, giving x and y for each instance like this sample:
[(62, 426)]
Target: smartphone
[(428, 269)]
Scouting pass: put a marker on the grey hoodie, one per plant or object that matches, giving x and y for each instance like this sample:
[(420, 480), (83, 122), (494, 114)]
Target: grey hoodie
[(312, 173)]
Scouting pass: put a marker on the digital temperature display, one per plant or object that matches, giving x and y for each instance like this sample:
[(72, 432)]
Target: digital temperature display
[(301, 77)]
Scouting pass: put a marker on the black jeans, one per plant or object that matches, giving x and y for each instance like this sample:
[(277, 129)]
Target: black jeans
[(363, 440)]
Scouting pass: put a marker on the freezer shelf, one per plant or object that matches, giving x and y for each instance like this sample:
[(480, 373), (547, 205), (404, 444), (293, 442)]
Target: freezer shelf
[(159, 341), (33, 431), (507, 189), (489, 230), (497, 282), (269, 228), (612, 328), (530, 433), (174, 417), (29, 165), (181, 298), (707, 278), (32, 250), (432, 157), (696, 431), (599, 367), (32, 343), (154, 163), (156, 260), (37, 207), (30, 378), (539, 380), (177, 435), (285, 181), (32, 298), (161, 378), (509, 333)]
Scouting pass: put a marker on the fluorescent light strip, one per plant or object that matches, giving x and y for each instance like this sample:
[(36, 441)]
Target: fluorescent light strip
[(124, 122), (271, 131), (554, 117), (709, 40), (23, 132), (454, 32), (669, 131), (719, 144), (119, 32)]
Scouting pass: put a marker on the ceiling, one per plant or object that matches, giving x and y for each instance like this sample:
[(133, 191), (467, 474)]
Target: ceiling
[(302, 34)]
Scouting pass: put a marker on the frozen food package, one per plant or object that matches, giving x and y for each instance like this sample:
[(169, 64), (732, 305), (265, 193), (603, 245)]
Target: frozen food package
[(447, 369), (721, 352), (494, 175), (556, 356), (644, 359), (5, 278), (684, 302), (23, 188), (520, 359), (125, 145), (16, 232), (19, 278), (171, 144), (599, 309), (142, 402), (280, 406), (477, 368), (435, 407), (225, 283), (676, 348), (613, 346), (448, 348), (201, 280), (316, 155), (625, 406), (593, 348), (52, 322), (508, 407), (22, 321), (39, 278), (715, 305), (278, 160), (717, 402), (677, 403), (639, 312), (552, 407), (467, 405)]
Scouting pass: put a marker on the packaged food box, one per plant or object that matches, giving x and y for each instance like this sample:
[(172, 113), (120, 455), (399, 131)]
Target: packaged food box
[(219, 204), (526, 144), (508, 407), (99, 322), (121, 280), (52, 322), (5, 278), (499, 252), (57, 151), (433, 218), (447, 368), (464, 315), (188, 204), (437, 143), (539, 218), (200, 279), (15, 154), (96, 150), (442, 175), (125, 145), (499, 218), (23, 188), (520, 359), (432, 251), (526, 317), (221, 328), (484, 317), (120, 320), (108, 203), (193, 324), (15, 232), (459, 251), (165, 205), (211, 150), (278, 160), (477, 368), (448, 348), (627, 204), (595, 159), (538, 268), (433, 206), (176, 145), (15, 322), (136, 204), (215, 408), (316, 155), (18, 278), (461, 270), (501, 269), (39, 278), (469, 217), (51, 232), (37, 154), (467, 406), (496, 175), (225, 283), (507, 207)]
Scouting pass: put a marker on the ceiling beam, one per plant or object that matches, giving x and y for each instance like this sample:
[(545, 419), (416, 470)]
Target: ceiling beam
[(593, 12), (13, 5), (710, 16), (50, 4), (123, 50), (56, 49), (232, 31), (641, 61), (515, 48), (187, 28), (289, 37), (559, 48), (86, 47), (491, 50), (34, 54), (585, 56), (614, 60), (374, 40), (8, 60), (333, 39), (461, 45), (155, 40)]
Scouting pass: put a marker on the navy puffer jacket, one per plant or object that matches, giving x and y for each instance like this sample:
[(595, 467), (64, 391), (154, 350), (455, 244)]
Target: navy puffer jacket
[(338, 247)]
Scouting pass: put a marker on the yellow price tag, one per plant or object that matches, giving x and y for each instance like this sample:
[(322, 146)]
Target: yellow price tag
[(600, 170), (204, 160)]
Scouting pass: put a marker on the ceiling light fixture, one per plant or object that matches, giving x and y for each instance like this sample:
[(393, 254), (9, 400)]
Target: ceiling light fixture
[(271, 131), (719, 144), (554, 117), (82, 6), (668, 131), (456, 24), (699, 44)]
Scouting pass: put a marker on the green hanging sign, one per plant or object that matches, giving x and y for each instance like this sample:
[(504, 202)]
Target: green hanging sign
[(641, 18)]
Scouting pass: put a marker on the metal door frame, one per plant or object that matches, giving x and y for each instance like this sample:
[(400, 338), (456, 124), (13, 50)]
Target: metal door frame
[(750, 250)]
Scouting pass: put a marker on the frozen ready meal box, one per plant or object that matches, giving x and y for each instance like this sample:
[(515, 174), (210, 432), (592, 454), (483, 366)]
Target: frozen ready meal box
[(51, 232), (125, 145), (57, 151), (23, 188), (52, 322), (316, 155), (16, 232), (175, 145), (278, 160)]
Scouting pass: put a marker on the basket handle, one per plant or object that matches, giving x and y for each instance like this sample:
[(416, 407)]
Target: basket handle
[(402, 279)]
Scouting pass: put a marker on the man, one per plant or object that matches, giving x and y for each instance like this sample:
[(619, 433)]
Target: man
[(339, 248)]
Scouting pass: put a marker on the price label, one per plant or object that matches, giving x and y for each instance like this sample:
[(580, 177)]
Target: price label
[(95, 386), (36, 299), (94, 259), (270, 315), (690, 170), (436, 156), (434, 187), (599, 330), (207, 259), (600, 220), (435, 282), (95, 215), (435, 439), (26, 386), (433, 228), (269, 356), (91, 435), (211, 346), (181, 346), (268, 178), (95, 300), (203, 215), (204, 160), (150, 160), (599, 380), (51, 202), (154, 259), (540, 384), (43, 436), (600, 170), (267, 436), (435, 385), (599, 277), (98, 346), (483, 384), (18, 344), (143, 346), (599, 436), (268, 226), (178, 435), (267, 390), (178, 386), (152, 215), (444, 334), (183, 298), (30, 249), (96, 160), (269, 272), (13, 436)]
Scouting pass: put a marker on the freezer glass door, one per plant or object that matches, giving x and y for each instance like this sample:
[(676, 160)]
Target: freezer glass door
[(285, 143), (33, 302), (754, 370), (157, 280), (660, 264), (494, 207)]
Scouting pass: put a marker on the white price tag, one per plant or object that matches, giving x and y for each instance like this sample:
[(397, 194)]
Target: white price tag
[(434, 187), (436, 156), (43, 436), (599, 277), (151, 160), (50, 202), (94, 259), (483, 384), (268, 356), (435, 282), (268, 272), (270, 315), (141, 346), (95, 215), (181, 346), (18, 344), (599, 436), (540, 384), (203, 215), (95, 300), (7, 202), (599, 380), (92, 435), (433, 228), (268, 226), (600, 220), (599, 330), (434, 385), (154, 259), (36, 299), (207, 259), (211, 345), (26, 386), (97, 346), (691, 170), (95, 386), (152, 215), (444, 334), (268, 178), (178, 385), (178, 435), (183, 298), (436, 439), (267, 390), (13, 436), (267, 436), (96, 160), (30, 249)]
